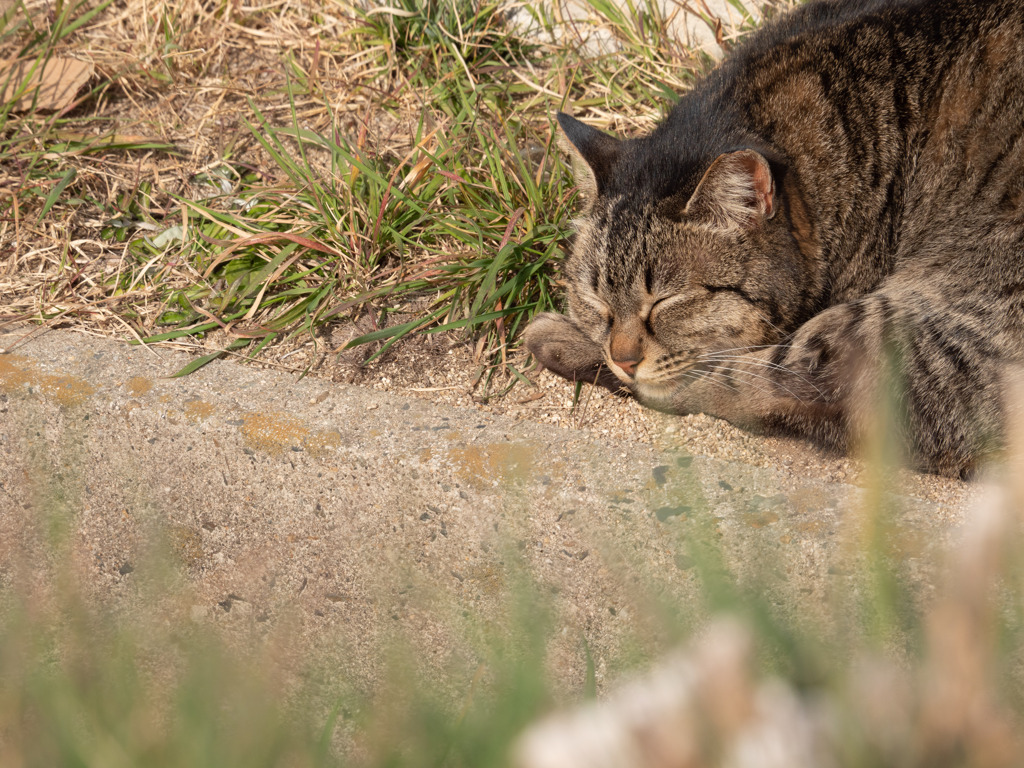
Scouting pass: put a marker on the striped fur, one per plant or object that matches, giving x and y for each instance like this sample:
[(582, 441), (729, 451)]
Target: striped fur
[(836, 210)]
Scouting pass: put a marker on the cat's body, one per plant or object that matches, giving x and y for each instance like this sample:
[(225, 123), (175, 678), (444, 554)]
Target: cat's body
[(846, 190)]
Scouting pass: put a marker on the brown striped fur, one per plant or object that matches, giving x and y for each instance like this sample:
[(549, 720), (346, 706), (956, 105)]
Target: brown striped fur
[(836, 208)]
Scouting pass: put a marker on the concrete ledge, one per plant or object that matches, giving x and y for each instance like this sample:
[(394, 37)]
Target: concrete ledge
[(344, 514)]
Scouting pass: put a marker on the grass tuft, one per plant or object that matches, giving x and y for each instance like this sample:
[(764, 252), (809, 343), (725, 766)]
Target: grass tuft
[(395, 166)]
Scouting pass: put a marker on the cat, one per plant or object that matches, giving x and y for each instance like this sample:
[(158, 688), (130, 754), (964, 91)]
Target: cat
[(837, 208)]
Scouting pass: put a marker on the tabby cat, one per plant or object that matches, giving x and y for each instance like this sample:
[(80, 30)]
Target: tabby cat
[(837, 207)]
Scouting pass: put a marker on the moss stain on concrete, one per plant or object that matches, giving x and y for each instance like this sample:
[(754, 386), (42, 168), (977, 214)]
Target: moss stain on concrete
[(186, 543), (278, 432), (198, 410), (272, 432), (483, 465), (138, 386), (17, 373), (317, 443)]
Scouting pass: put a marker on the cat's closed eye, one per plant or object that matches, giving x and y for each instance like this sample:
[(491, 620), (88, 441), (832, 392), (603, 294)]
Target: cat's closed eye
[(663, 303), (598, 313)]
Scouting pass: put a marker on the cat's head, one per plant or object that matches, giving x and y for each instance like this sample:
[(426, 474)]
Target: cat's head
[(676, 261)]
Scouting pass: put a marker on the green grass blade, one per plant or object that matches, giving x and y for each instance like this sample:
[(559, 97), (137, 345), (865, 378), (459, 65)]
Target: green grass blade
[(199, 362), (56, 192)]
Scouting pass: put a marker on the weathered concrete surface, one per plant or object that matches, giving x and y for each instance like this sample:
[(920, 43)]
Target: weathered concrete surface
[(339, 515), (693, 24)]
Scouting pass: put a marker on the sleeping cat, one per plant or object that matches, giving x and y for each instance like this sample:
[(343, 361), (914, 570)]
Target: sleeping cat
[(837, 208)]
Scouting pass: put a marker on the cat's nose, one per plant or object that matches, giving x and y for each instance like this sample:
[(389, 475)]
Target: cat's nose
[(628, 366), (625, 350)]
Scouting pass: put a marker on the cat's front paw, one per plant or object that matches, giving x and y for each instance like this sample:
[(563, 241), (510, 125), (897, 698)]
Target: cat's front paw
[(558, 345)]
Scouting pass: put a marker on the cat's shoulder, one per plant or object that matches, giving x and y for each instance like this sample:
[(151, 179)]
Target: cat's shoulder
[(832, 20)]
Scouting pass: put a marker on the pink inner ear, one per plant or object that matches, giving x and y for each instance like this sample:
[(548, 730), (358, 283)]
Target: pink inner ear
[(762, 182), (737, 190)]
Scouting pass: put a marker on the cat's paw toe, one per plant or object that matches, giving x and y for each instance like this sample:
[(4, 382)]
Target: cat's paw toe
[(558, 345), (548, 326)]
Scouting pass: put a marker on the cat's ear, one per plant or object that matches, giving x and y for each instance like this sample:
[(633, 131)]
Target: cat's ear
[(593, 154), (738, 190)]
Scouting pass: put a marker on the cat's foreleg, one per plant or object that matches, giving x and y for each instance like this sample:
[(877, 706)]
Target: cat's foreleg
[(822, 384), (939, 370), (759, 392), (558, 345), (920, 360)]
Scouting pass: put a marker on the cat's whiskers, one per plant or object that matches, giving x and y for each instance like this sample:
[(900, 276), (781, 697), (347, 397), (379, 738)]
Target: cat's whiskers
[(690, 369), (666, 377), (743, 350), (697, 375), (735, 372), (664, 389), (767, 320), (713, 369), (672, 369), (716, 357), (744, 353)]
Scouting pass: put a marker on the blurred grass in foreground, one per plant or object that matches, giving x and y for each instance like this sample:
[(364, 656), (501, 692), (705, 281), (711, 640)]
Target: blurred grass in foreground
[(88, 679), (885, 673)]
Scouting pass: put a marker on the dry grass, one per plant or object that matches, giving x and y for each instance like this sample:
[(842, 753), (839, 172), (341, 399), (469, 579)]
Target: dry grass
[(232, 176)]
